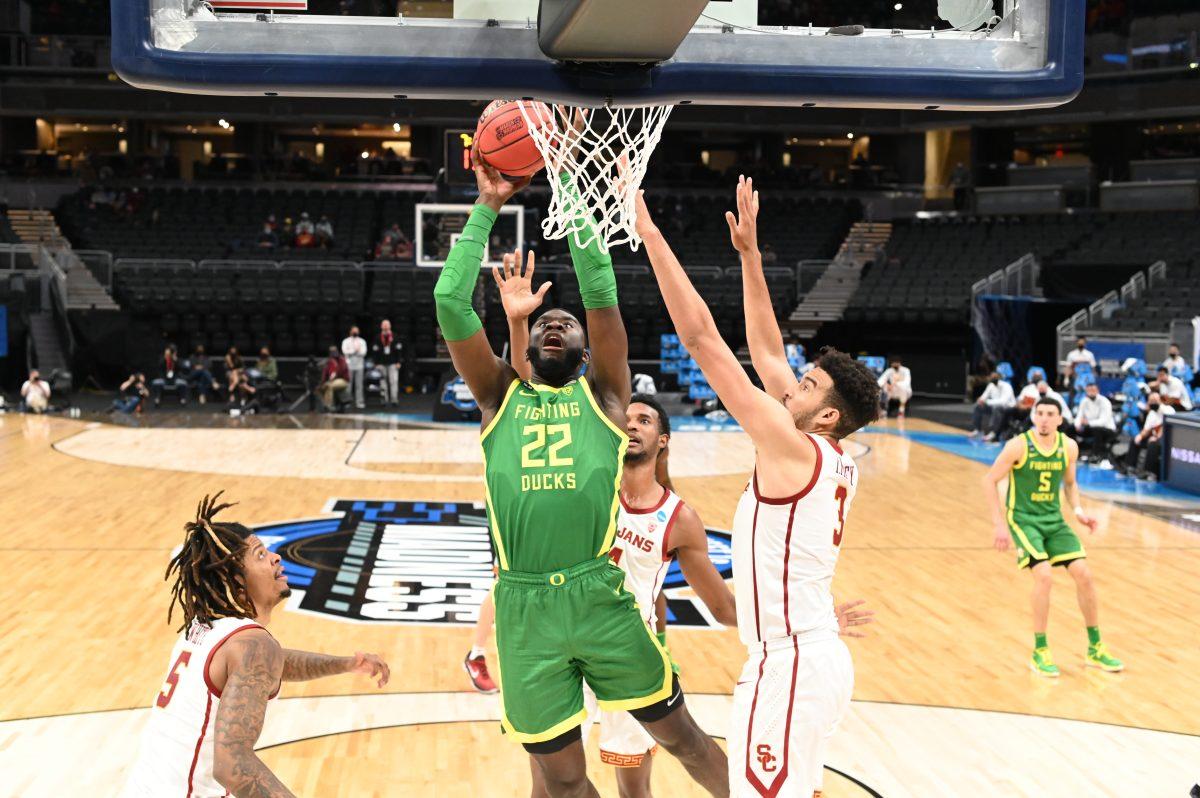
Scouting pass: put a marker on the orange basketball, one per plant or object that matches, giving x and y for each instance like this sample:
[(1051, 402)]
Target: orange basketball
[(502, 137)]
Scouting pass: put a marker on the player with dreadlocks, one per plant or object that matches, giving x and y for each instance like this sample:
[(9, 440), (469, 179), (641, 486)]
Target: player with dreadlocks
[(226, 666)]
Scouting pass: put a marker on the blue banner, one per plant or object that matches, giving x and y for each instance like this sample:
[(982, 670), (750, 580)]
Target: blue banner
[(3, 331)]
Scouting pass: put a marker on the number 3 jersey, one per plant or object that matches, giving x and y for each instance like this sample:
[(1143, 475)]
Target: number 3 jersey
[(552, 470), (785, 550), (176, 756)]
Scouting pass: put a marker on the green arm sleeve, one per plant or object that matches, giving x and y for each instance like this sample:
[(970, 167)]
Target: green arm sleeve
[(456, 285), (593, 267)]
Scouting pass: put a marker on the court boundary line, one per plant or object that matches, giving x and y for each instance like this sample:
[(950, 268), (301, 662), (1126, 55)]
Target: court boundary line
[(870, 790), (710, 694)]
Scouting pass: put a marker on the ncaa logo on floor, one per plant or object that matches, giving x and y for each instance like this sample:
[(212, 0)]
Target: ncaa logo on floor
[(414, 562)]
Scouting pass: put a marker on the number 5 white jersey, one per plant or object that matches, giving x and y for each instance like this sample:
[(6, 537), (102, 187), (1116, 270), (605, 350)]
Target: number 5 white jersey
[(176, 757), (785, 550)]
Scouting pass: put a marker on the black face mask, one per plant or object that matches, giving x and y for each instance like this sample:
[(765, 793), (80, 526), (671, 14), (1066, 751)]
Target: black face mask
[(995, 381)]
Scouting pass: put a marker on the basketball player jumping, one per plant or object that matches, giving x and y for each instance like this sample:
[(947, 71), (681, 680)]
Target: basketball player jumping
[(654, 527), (1038, 465), (797, 681), (199, 741), (553, 449)]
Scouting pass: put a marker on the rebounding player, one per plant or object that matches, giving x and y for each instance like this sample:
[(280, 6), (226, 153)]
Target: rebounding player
[(199, 741), (1038, 465), (654, 527), (797, 681), (553, 449)]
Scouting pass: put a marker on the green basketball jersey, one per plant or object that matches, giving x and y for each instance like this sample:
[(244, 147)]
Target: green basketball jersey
[(552, 469), (1034, 482)]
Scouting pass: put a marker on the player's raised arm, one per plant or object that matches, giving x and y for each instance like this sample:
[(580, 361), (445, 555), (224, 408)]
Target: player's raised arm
[(690, 545), (767, 421), (1070, 487), (486, 375), (762, 330), (253, 662), (607, 338), (1010, 455), (519, 301)]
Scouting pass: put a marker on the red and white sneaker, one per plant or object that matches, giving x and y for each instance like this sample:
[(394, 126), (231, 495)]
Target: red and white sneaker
[(477, 669)]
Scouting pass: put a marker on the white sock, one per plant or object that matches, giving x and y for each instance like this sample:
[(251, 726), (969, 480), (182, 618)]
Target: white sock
[(476, 652)]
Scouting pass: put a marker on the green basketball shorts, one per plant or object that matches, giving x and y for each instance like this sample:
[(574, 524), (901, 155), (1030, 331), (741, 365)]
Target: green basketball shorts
[(553, 630), (1043, 538)]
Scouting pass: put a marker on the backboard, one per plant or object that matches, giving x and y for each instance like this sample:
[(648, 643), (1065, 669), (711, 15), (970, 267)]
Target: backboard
[(1014, 54)]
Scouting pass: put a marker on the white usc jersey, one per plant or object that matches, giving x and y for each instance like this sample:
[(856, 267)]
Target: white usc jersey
[(642, 549), (176, 757), (785, 550)]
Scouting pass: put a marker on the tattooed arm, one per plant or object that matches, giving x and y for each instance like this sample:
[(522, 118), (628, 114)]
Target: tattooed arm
[(253, 665), (299, 666)]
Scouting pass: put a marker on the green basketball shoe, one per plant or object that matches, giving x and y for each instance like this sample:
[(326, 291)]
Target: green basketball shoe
[(1043, 664), (1098, 657)]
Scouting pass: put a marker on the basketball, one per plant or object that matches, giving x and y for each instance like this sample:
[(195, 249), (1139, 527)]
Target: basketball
[(503, 138)]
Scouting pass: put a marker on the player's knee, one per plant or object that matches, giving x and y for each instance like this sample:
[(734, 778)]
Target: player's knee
[(1042, 576), (1081, 572)]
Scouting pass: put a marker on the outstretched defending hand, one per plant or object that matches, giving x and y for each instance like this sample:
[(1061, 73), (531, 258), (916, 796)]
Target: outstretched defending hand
[(494, 188), (373, 666), (516, 289), (847, 617), (743, 228), (643, 225)]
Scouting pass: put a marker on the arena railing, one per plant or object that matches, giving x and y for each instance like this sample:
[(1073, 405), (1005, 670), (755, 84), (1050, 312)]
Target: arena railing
[(1084, 321), (100, 263)]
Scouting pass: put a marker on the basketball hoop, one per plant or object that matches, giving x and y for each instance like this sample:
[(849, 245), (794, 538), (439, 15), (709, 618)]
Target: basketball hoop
[(595, 159)]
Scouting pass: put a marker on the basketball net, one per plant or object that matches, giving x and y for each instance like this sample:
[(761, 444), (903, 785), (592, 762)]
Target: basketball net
[(604, 153)]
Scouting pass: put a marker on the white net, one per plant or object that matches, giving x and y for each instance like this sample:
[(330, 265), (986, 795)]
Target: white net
[(605, 152)]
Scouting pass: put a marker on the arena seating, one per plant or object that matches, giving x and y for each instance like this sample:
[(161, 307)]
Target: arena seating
[(1178, 296), (199, 223), (931, 264), (196, 276)]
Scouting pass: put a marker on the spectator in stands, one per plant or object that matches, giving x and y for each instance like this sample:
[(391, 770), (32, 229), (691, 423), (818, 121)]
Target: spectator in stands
[(201, 379), (271, 223), (133, 394), (1080, 354), (324, 230), (1148, 440), (170, 375), (387, 351), (896, 383), (1095, 425), (35, 393), (355, 350), (243, 394), (978, 381), (267, 240), (234, 365), (769, 256), (305, 232), (287, 233), (267, 366), (335, 378), (1171, 389), (1174, 361), (990, 407)]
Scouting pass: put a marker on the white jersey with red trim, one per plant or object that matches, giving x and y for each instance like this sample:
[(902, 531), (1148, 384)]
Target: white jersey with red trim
[(642, 549), (176, 757), (785, 550)]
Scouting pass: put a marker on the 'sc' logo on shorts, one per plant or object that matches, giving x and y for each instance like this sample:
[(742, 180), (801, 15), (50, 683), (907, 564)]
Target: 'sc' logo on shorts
[(557, 579), (765, 758)]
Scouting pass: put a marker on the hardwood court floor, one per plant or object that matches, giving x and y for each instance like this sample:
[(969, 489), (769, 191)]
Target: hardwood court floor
[(944, 701)]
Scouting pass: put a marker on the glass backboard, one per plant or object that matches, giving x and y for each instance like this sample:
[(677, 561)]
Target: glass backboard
[(1000, 54)]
